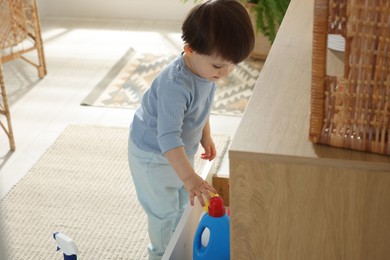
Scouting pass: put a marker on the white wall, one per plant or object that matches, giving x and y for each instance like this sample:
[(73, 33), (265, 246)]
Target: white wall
[(173, 10)]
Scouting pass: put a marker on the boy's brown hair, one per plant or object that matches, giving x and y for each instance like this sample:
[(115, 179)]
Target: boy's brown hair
[(220, 27)]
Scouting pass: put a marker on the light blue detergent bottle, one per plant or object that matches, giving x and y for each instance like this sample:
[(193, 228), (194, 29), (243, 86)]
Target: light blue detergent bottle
[(66, 245), (218, 223)]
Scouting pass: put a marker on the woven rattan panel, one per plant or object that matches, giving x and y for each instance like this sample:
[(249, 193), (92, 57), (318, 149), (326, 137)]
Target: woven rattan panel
[(353, 111), (15, 21)]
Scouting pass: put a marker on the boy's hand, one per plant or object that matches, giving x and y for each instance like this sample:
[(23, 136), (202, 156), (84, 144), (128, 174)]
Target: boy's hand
[(209, 148), (193, 183), (198, 187)]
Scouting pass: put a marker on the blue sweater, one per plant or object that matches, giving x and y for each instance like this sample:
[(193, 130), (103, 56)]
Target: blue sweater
[(173, 110)]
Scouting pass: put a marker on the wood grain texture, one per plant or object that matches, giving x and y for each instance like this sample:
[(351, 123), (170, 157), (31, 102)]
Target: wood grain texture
[(297, 211), (292, 199)]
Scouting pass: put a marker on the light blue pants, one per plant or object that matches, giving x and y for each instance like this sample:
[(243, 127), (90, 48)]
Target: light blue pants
[(161, 194)]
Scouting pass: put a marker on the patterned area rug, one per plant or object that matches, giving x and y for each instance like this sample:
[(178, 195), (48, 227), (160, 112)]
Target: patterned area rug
[(125, 83), (81, 187)]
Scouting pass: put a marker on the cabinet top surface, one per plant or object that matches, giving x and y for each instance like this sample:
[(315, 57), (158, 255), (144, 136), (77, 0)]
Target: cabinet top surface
[(276, 120)]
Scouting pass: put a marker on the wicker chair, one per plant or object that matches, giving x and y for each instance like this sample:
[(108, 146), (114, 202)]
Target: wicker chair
[(352, 111), (19, 33)]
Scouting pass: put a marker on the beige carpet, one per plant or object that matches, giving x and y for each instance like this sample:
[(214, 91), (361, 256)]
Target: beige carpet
[(81, 187)]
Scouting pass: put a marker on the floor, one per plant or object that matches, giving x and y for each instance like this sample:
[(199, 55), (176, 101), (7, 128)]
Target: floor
[(78, 54)]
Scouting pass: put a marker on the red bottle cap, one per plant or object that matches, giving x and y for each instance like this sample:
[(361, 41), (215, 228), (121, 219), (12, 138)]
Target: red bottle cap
[(216, 207)]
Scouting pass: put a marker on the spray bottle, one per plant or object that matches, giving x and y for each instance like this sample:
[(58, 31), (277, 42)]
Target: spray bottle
[(66, 245), (218, 223)]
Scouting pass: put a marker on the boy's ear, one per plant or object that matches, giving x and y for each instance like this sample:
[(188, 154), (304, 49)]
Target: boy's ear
[(188, 50)]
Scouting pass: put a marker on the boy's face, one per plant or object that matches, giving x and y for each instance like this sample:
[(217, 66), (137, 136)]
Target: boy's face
[(210, 67)]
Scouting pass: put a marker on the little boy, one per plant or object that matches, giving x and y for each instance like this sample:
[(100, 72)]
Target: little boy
[(174, 116)]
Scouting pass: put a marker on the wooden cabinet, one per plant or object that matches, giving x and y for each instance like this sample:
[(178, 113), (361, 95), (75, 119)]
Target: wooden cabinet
[(291, 199)]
